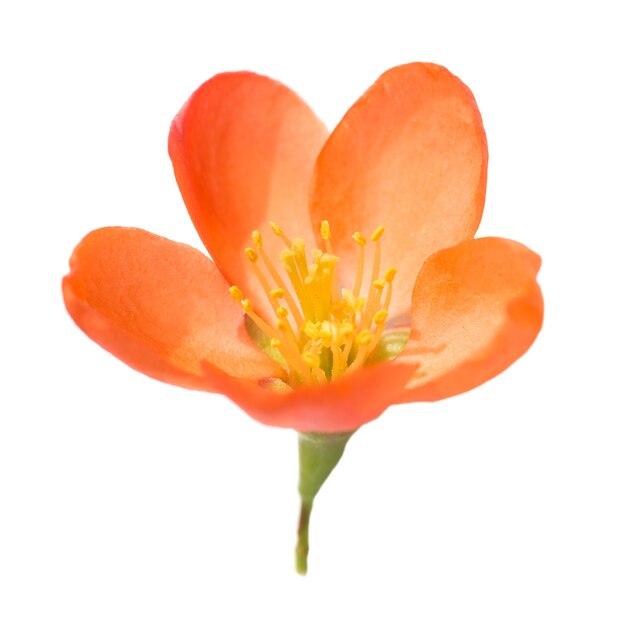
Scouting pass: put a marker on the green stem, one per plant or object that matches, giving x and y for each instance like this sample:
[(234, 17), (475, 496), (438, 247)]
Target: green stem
[(302, 547), (319, 453)]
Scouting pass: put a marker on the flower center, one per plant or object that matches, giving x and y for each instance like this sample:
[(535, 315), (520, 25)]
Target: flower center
[(320, 332)]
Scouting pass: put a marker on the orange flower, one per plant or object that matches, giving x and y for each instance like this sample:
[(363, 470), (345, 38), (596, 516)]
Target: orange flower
[(410, 155), (414, 309)]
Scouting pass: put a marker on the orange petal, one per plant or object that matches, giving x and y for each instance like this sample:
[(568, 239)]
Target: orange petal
[(243, 149), (342, 405), (161, 307), (476, 309), (411, 154)]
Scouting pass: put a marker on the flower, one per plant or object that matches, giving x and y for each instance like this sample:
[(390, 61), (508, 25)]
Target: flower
[(397, 303)]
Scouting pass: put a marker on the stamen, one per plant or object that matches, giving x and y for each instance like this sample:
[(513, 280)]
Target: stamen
[(358, 237), (257, 239), (236, 293), (278, 231), (293, 307), (334, 331), (390, 274), (325, 230), (380, 317), (378, 233)]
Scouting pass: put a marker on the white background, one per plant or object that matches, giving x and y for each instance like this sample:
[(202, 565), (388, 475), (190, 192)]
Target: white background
[(125, 501)]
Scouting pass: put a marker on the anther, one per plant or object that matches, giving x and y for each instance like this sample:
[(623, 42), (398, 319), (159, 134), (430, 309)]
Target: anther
[(379, 283), (286, 259), (275, 342), (380, 317), (364, 337), (311, 330), (298, 245), (281, 311), (312, 360), (325, 229), (277, 293), (358, 237), (276, 229), (246, 305), (378, 233), (236, 293), (346, 329), (252, 254), (257, 239), (390, 274)]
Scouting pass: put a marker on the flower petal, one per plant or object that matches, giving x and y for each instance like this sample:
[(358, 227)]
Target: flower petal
[(342, 405), (476, 309), (243, 149), (411, 154), (161, 307)]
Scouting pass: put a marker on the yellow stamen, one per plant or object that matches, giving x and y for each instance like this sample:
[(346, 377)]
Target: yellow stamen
[(358, 237), (278, 231), (236, 293), (390, 274), (252, 254), (325, 230), (378, 233), (380, 317), (312, 360), (364, 337), (293, 307), (321, 332), (257, 239)]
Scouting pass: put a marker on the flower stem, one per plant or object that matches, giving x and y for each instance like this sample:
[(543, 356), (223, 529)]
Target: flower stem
[(319, 453), (302, 547)]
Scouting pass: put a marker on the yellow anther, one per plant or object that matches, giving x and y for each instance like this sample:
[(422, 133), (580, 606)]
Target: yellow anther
[(286, 259), (390, 274), (312, 360), (358, 237), (328, 259), (246, 305), (378, 233), (346, 329), (252, 254), (364, 337), (311, 330), (277, 293), (275, 342), (325, 229), (257, 239), (379, 283), (298, 245), (276, 229), (380, 317), (349, 299), (326, 331), (236, 293), (281, 311)]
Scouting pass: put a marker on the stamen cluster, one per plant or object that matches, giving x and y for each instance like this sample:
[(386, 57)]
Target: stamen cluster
[(320, 331)]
